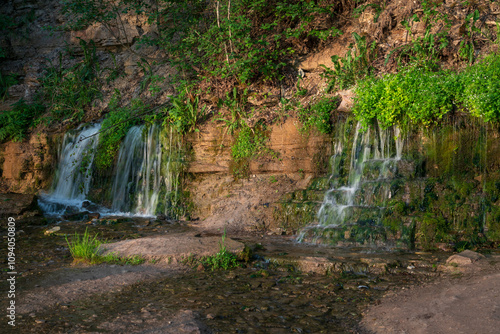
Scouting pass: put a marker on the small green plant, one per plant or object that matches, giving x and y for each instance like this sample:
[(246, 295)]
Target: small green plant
[(69, 91), (467, 48), (318, 115), (354, 66), (424, 51), (16, 122), (84, 247), (222, 260), (87, 248), (186, 112)]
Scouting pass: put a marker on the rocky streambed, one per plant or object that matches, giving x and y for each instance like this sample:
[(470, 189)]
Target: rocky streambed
[(283, 288)]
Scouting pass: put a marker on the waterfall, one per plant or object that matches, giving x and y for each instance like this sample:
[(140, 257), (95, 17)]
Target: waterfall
[(144, 181), (352, 211), (73, 175), (145, 170)]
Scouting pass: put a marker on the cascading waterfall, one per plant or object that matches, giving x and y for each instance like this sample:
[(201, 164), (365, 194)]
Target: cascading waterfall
[(351, 212), (147, 171), (144, 181), (72, 180)]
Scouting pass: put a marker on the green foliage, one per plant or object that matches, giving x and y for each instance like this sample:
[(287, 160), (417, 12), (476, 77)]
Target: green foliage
[(69, 91), (318, 115), (422, 97), (424, 51), (87, 248), (84, 247), (249, 143), (185, 112), (354, 66), (481, 89), (413, 95), (222, 260), (15, 123), (467, 46), (114, 128), (239, 39)]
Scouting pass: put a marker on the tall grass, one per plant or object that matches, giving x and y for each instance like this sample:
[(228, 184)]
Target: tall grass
[(86, 248)]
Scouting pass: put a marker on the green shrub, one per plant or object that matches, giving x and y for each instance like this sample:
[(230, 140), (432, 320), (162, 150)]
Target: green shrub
[(318, 115), (15, 123), (249, 143), (241, 40), (185, 112), (481, 89), (114, 128), (423, 97), (222, 260), (87, 248)]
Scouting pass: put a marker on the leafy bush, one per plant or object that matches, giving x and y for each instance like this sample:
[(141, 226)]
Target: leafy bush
[(222, 260), (185, 112), (240, 39), (318, 115), (423, 97), (481, 89), (249, 142), (412, 95), (15, 123)]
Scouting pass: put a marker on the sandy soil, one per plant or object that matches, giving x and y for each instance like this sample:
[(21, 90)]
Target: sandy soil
[(465, 300)]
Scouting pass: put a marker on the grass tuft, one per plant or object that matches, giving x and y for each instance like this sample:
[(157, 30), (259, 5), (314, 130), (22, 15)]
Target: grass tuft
[(85, 248)]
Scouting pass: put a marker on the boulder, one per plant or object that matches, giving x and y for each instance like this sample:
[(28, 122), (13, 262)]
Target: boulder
[(464, 258)]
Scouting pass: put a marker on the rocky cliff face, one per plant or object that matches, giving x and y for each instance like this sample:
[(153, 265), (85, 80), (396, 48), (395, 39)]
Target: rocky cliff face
[(446, 184), (27, 167)]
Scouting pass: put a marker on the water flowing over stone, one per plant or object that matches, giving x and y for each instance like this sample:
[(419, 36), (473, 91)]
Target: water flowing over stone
[(144, 181), (147, 171), (73, 176), (352, 209)]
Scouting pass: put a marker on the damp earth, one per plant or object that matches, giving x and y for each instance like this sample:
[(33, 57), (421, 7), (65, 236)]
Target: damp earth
[(284, 287)]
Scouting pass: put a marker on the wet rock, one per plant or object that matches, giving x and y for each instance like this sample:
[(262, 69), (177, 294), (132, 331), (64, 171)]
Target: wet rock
[(161, 217), (76, 216), (464, 258), (175, 247), (15, 205), (52, 230), (71, 209), (89, 206)]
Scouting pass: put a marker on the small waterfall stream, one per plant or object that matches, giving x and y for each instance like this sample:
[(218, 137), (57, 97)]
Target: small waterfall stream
[(144, 181), (351, 212), (73, 175), (146, 173)]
